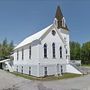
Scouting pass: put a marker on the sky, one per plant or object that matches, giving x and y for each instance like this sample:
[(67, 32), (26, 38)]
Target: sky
[(21, 18)]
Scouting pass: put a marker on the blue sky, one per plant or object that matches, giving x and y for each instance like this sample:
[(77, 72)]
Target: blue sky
[(21, 18)]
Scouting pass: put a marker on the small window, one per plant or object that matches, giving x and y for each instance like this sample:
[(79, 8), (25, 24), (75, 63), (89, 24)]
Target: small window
[(45, 50), (53, 50), (22, 54), (17, 54), (29, 52), (22, 70), (66, 51), (17, 68), (45, 71), (66, 56), (61, 69), (65, 39), (53, 32), (29, 70), (60, 52)]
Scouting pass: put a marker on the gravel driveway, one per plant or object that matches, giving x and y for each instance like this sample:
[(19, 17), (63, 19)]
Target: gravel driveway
[(12, 82)]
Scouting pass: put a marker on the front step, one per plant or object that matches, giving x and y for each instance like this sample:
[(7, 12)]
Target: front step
[(81, 69), (72, 68), (84, 70)]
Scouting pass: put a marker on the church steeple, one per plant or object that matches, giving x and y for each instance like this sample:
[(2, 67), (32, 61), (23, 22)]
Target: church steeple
[(60, 19), (59, 14)]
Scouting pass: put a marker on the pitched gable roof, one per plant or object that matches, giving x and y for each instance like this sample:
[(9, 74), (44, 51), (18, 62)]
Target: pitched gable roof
[(33, 37)]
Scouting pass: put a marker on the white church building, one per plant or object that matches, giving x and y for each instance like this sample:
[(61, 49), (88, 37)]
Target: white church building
[(46, 52)]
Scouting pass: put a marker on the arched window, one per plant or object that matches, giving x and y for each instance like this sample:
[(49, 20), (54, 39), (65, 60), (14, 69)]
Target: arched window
[(55, 22), (17, 54), (45, 50), (29, 52), (53, 50), (60, 52), (22, 54), (59, 24), (66, 51), (63, 22)]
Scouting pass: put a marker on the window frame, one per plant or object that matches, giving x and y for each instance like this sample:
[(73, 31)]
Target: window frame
[(22, 53), (66, 51), (53, 32), (53, 50), (45, 71), (22, 70), (17, 68), (17, 54), (45, 50), (30, 52), (60, 51), (29, 70)]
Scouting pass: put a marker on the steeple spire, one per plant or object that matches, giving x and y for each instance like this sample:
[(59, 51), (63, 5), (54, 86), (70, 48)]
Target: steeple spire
[(60, 19), (59, 14)]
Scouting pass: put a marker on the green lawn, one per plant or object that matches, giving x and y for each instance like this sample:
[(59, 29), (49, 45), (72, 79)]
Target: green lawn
[(88, 65), (48, 78)]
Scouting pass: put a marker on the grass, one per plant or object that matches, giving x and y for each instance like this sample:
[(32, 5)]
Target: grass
[(87, 65), (48, 78)]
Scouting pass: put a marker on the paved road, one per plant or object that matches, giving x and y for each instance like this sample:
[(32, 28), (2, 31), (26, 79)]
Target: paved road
[(12, 82)]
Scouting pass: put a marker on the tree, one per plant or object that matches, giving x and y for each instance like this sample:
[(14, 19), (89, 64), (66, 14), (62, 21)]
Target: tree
[(78, 52), (6, 49), (11, 46), (85, 53), (75, 48)]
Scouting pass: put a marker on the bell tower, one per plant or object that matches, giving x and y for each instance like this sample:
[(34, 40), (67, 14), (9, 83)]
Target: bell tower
[(59, 20)]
